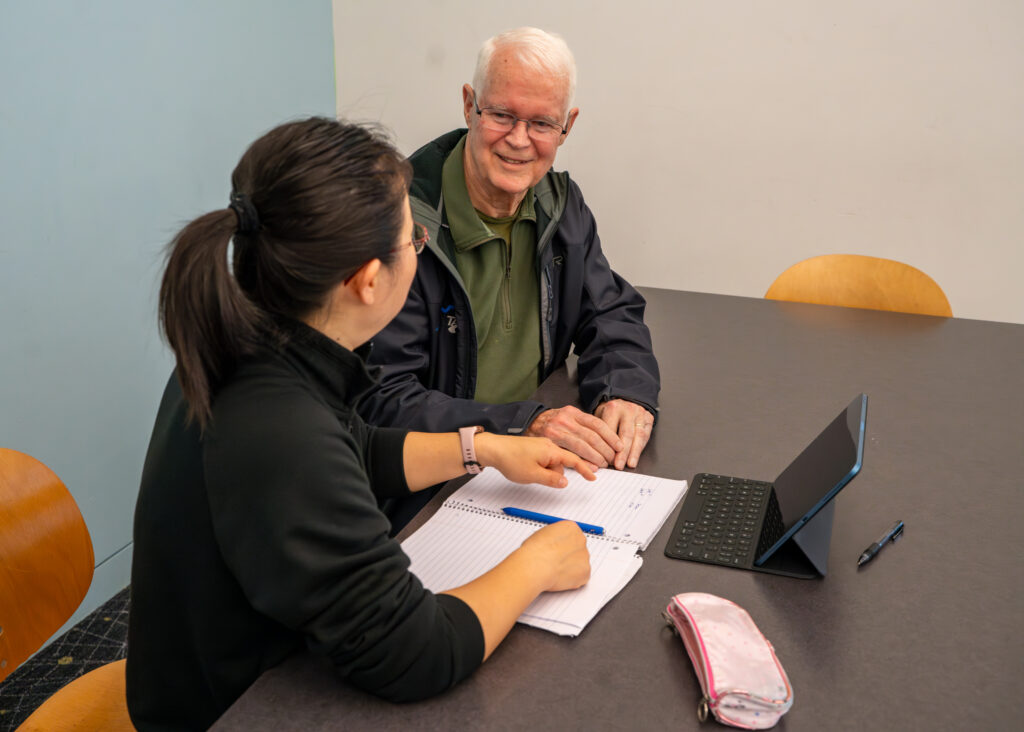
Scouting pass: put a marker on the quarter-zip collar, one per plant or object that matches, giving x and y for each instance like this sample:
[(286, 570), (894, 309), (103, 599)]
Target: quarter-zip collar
[(341, 376)]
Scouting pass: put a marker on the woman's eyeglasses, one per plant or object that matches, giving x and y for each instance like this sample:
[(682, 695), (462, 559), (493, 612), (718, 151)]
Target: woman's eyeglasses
[(420, 237)]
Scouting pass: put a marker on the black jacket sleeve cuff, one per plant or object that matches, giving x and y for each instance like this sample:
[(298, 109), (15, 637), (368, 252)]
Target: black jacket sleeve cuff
[(385, 464), (471, 652)]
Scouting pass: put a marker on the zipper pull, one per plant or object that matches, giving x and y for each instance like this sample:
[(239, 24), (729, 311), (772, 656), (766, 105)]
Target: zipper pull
[(669, 622), (702, 709)]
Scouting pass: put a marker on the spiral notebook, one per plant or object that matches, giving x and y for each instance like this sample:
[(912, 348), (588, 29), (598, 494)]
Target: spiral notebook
[(470, 534)]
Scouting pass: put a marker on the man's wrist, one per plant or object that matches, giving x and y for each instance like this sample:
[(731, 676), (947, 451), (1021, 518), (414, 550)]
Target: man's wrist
[(530, 431), (652, 410)]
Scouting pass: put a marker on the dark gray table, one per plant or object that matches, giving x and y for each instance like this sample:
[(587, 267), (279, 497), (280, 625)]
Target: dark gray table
[(926, 636)]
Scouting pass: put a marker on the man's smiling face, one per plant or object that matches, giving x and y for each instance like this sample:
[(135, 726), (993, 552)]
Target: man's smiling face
[(501, 166)]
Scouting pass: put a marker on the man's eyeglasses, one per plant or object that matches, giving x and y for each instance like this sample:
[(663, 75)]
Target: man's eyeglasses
[(542, 130), (420, 237)]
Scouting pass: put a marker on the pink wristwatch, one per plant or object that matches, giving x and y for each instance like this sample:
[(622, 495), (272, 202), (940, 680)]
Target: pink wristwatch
[(468, 449)]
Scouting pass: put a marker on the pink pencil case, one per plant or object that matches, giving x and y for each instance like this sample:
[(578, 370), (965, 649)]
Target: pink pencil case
[(743, 682)]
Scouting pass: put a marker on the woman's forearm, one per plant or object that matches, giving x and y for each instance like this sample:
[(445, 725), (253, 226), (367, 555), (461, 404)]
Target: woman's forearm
[(432, 458), (553, 558), (500, 596)]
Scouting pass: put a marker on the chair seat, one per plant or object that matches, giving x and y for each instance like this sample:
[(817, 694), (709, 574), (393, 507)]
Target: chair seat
[(93, 702)]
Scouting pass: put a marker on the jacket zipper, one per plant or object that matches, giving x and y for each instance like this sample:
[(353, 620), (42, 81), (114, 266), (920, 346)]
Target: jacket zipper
[(506, 288), (547, 289)]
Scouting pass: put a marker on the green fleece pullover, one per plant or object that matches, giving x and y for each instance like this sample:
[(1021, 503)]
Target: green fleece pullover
[(496, 259)]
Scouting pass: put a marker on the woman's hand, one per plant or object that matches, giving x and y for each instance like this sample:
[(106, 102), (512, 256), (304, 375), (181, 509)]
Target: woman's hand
[(553, 558), (559, 550), (530, 459)]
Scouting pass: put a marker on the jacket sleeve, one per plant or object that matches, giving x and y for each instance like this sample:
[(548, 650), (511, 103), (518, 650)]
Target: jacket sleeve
[(383, 456), (299, 527), (405, 351), (616, 356)]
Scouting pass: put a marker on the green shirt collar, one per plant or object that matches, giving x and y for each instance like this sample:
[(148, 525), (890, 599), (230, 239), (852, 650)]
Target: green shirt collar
[(467, 229)]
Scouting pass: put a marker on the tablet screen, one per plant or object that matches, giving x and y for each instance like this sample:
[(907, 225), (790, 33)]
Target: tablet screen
[(822, 469)]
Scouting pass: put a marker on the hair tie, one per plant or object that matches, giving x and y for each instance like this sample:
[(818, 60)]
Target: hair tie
[(248, 219)]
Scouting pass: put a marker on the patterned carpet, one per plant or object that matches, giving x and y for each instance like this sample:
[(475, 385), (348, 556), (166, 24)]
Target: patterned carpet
[(98, 639)]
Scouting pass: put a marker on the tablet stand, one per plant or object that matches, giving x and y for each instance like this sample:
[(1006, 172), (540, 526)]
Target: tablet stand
[(805, 554)]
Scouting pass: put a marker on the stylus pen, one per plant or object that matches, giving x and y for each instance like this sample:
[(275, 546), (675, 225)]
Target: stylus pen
[(545, 519), (891, 535)]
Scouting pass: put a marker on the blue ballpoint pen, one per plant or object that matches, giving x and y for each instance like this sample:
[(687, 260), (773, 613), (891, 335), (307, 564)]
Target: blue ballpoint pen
[(545, 519)]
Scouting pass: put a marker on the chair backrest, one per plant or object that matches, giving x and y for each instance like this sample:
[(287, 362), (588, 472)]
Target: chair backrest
[(46, 558), (856, 281)]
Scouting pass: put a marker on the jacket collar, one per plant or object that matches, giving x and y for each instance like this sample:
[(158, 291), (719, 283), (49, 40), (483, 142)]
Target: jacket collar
[(549, 195), (340, 375)]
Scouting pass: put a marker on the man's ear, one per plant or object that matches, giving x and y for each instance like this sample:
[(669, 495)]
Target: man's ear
[(365, 284), (467, 102), (573, 114)]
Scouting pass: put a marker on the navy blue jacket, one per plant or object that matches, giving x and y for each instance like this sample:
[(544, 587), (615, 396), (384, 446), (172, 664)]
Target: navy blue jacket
[(428, 352)]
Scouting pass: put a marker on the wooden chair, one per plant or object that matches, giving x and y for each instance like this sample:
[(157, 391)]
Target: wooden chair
[(856, 281), (46, 568)]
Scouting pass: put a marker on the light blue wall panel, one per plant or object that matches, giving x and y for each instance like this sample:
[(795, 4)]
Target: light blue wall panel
[(119, 121)]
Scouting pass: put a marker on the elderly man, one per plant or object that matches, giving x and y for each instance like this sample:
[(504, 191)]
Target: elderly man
[(513, 276)]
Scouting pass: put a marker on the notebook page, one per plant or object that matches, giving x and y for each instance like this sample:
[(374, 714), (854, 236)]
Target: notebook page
[(567, 613), (456, 546), (629, 506)]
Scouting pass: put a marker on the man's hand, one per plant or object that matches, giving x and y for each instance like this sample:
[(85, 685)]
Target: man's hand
[(582, 433), (633, 424)]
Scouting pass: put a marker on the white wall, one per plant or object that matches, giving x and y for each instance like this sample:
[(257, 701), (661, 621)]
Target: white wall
[(720, 142)]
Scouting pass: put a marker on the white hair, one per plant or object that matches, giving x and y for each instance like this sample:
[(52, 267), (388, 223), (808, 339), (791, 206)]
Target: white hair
[(540, 51)]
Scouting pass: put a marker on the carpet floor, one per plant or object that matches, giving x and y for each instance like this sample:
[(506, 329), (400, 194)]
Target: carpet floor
[(98, 639)]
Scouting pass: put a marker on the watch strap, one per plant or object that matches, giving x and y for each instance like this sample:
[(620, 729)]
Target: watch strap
[(469, 460)]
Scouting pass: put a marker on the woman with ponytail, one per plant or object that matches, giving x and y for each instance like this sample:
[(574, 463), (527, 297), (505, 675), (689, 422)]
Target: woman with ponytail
[(258, 528)]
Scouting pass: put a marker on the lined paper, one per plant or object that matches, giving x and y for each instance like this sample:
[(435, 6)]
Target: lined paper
[(629, 506), (456, 546), (469, 535)]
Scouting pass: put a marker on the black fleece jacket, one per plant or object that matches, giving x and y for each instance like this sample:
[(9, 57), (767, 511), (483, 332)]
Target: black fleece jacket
[(263, 536)]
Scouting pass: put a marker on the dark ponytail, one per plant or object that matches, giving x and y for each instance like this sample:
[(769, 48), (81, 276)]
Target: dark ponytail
[(312, 201)]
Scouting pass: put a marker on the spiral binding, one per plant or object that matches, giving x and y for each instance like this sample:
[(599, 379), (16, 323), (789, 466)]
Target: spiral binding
[(462, 506)]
